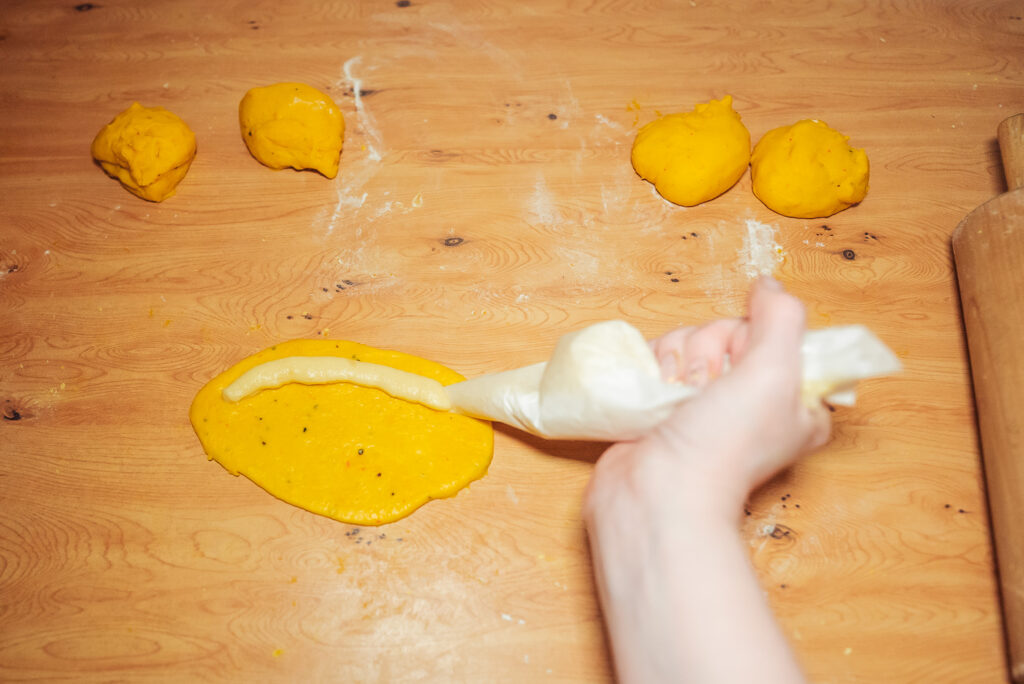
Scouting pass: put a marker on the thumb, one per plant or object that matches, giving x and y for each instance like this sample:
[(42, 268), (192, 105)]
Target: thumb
[(777, 321)]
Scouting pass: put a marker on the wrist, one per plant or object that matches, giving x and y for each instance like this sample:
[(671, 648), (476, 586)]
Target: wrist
[(697, 486)]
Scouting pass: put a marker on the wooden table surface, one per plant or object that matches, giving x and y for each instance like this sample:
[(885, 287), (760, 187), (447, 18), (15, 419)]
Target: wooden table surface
[(485, 206)]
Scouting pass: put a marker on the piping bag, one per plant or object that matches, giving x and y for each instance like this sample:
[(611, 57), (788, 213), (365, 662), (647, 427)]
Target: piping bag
[(603, 382)]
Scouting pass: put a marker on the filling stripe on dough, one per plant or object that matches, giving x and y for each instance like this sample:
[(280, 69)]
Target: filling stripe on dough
[(319, 370)]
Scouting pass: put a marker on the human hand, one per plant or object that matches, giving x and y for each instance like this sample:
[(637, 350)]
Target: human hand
[(748, 422), (679, 596)]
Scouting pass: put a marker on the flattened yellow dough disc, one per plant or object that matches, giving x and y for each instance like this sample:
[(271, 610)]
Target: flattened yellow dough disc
[(352, 453)]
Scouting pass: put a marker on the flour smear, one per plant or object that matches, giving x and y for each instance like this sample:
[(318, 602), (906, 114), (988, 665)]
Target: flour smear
[(368, 124), (760, 254), (542, 204), (355, 173)]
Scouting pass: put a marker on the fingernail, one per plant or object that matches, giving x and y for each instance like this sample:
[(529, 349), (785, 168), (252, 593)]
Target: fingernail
[(770, 283), (698, 373)]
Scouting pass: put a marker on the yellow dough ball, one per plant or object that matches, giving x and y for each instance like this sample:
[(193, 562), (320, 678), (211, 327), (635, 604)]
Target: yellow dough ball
[(292, 125), (695, 156), (808, 170), (148, 149)]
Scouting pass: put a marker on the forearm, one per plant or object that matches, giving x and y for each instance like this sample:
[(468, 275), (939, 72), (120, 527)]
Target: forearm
[(682, 603), (681, 600)]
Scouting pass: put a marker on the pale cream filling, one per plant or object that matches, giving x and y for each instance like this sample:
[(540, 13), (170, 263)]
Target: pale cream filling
[(319, 370)]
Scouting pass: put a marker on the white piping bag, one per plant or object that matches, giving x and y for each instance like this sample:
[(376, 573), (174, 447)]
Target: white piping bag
[(603, 382)]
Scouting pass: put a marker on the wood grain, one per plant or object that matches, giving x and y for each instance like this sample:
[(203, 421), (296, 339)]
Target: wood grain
[(485, 206)]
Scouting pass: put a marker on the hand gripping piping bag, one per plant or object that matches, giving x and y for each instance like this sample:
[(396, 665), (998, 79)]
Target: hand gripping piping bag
[(603, 382)]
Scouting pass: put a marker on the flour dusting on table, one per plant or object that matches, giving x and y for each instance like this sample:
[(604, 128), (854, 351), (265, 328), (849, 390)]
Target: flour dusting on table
[(542, 204), (366, 121), (760, 253)]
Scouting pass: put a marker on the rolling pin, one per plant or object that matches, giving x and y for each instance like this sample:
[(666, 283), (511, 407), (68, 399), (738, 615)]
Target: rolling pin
[(988, 247)]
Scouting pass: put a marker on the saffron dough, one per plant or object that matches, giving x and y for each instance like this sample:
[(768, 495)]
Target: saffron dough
[(693, 157), (148, 149), (292, 125), (808, 170), (352, 453)]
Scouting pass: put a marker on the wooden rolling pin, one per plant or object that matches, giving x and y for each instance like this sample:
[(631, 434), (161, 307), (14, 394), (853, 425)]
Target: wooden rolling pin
[(988, 246)]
